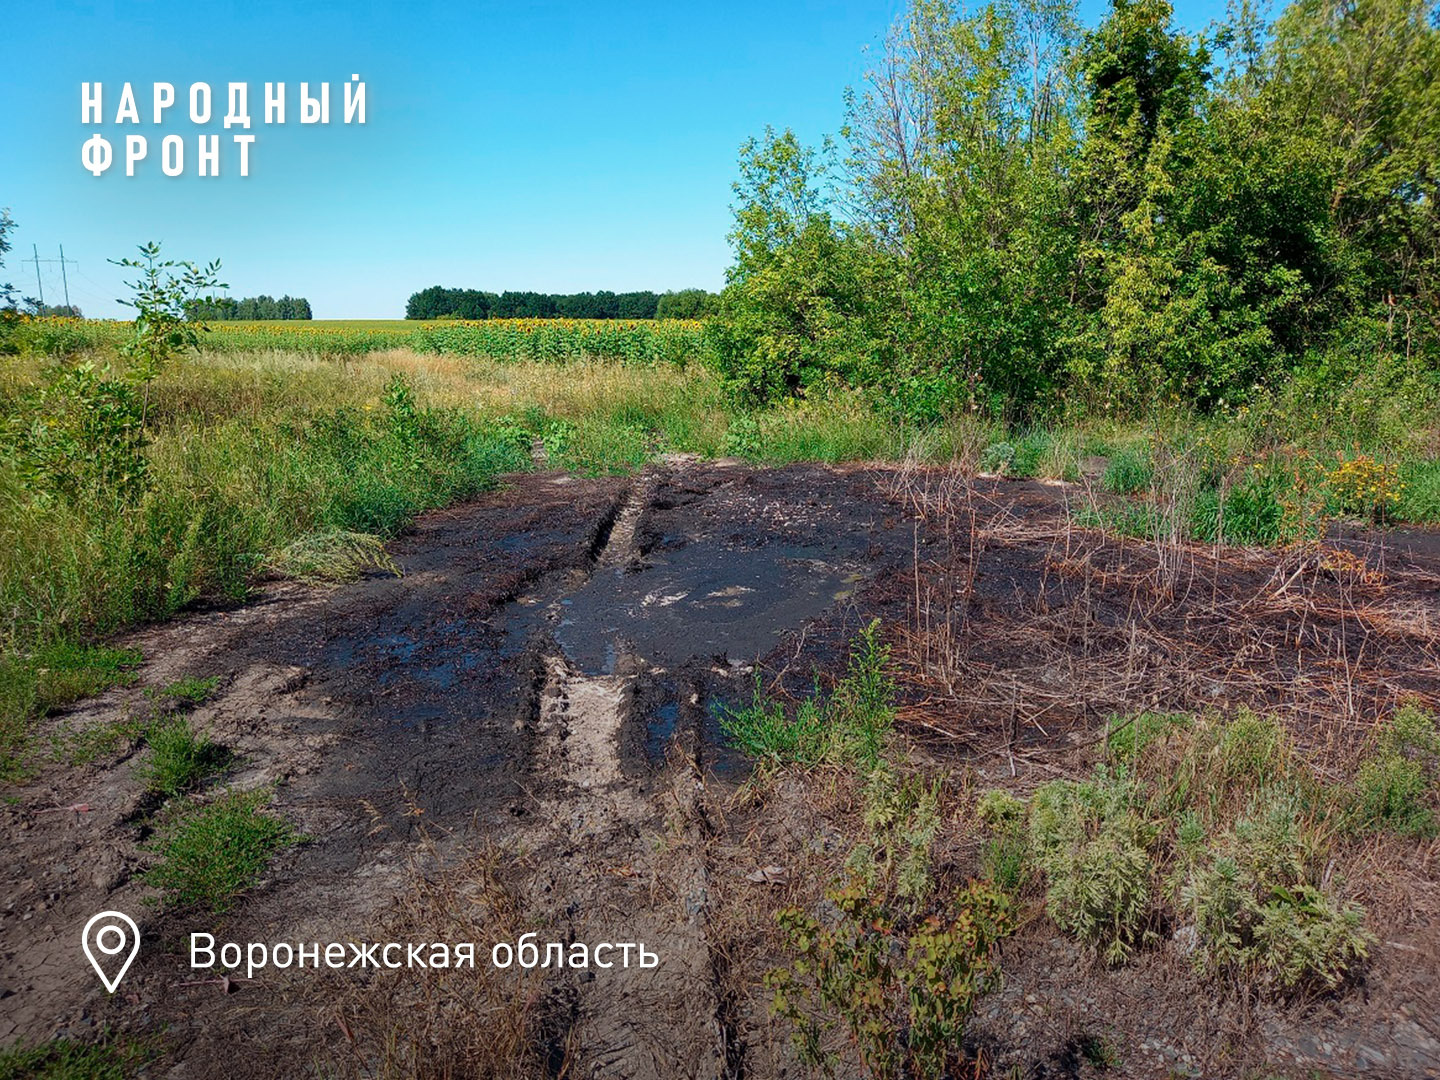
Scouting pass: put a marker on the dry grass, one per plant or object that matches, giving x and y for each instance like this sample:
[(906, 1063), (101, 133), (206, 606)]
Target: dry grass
[(1025, 628), (443, 1024)]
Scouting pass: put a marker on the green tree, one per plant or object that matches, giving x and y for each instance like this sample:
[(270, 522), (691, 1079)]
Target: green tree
[(160, 292), (800, 308)]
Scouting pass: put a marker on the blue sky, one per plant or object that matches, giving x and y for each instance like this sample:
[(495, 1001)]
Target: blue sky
[(557, 146)]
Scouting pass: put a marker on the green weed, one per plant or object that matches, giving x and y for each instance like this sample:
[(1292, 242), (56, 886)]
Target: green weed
[(210, 854), (1396, 785), (50, 678), (65, 1059), (850, 726), (1128, 736), (179, 758), (1256, 906), (1005, 859), (1129, 471), (1094, 846), (902, 820)]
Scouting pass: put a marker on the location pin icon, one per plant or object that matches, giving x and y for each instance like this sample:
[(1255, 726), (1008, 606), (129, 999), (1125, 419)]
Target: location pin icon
[(109, 942)]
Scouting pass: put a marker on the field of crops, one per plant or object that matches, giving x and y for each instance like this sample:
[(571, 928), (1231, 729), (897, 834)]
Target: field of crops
[(627, 341)]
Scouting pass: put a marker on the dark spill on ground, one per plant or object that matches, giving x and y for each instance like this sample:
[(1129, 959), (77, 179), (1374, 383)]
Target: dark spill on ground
[(392, 704)]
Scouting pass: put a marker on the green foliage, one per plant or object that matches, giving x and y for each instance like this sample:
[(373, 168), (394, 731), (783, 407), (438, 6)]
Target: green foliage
[(81, 435), (160, 292), (1419, 492), (403, 413), (1396, 786), (742, 437), (903, 993), (221, 308), (687, 304), (1005, 858), (1129, 471), (8, 293), (1094, 846), (794, 316), (438, 302), (902, 820), (66, 1059), (1127, 737), (1256, 908), (208, 855), (848, 727), (1038, 219), (179, 758)]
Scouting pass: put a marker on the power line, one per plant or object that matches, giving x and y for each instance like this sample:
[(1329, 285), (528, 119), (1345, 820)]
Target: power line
[(64, 278)]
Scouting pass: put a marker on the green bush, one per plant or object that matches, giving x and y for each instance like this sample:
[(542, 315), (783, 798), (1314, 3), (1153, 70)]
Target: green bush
[(903, 995), (1256, 908), (1094, 847), (1395, 788), (81, 435), (902, 820)]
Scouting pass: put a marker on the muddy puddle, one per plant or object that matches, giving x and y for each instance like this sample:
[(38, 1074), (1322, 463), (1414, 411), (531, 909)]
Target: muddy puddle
[(699, 600), (527, 682)]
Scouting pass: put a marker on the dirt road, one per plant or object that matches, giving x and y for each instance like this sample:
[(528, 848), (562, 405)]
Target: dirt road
[(545, 653), (543, 685)]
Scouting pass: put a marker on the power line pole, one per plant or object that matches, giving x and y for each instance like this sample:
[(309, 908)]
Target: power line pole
[(38, 283), (64, 278)]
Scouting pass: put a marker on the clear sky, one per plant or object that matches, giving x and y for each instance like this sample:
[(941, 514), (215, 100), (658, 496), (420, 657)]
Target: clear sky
[(559, 146)]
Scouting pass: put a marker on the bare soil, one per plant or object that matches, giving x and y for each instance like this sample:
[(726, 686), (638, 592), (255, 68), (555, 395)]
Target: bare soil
[(546, 681)]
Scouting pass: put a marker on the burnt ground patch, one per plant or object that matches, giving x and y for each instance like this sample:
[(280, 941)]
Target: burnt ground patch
[(547, 680)]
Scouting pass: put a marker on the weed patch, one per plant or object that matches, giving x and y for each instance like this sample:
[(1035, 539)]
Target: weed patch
[(902, 820), (903, 992), (848, 727), (50, 678), (66, 1059), (1094, 846), (1396, 785), (211, 854), (179, 758), (1256, 905), (186, 692)]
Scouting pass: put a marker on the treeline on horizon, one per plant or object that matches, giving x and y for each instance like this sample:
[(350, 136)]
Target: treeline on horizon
[(438, 302), (224, 308), (1031, 218)]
